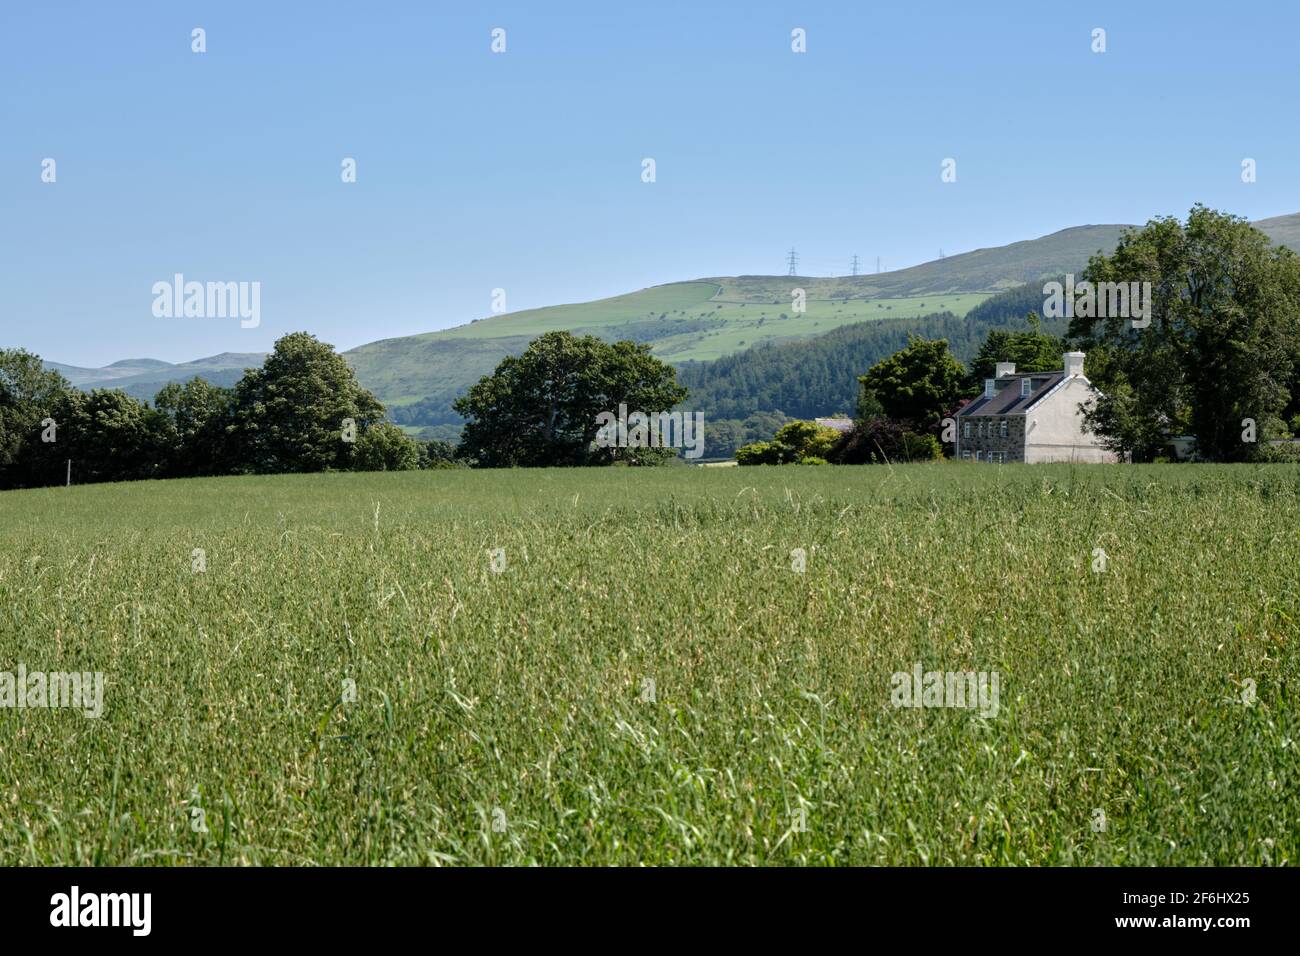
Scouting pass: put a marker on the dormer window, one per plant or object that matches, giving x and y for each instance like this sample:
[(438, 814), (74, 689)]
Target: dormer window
[(1026, 386)]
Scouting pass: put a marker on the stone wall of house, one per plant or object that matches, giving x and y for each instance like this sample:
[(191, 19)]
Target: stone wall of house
[(1013, 446)]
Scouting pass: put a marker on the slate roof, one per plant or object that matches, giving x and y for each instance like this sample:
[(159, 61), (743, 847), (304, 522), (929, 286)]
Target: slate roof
[(1007, 399)]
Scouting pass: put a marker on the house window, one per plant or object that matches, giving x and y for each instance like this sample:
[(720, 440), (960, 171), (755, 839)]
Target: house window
[(1026, 386), (965, 430), (966, 455), (1002, 428)]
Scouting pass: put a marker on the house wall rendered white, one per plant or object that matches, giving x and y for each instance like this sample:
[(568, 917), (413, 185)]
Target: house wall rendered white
[(1054, 428)]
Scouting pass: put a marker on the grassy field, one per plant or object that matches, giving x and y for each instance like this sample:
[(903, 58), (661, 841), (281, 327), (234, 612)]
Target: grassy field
[(508, 717)]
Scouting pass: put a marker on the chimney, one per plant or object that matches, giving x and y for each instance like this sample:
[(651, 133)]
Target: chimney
[(990, 386), (1005, 368), (1073, 364)]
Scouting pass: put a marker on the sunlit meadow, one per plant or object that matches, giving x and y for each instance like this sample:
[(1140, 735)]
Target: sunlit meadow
[(337, 669)]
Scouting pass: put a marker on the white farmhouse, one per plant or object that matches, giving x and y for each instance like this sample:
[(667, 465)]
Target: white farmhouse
[(1030, 417)]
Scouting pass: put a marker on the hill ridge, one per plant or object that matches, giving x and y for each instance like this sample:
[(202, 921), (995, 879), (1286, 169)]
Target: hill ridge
[(692, 320)]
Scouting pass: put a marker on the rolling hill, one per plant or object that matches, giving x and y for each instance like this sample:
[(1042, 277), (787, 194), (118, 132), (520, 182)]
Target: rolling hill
[(142, 378), (1284, 230), (706, 319), (695, 321)]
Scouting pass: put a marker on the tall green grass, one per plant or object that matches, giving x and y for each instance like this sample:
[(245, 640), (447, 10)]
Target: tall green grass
[(770, 739)]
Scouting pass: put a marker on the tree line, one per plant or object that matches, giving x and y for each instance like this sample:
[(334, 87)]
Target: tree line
[(749, 394), (301, 411)]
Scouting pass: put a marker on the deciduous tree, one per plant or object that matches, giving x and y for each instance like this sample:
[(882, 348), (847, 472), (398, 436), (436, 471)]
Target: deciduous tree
[(540, 408), (1222, 344), (917, 383), (29, 394), (292, 414)]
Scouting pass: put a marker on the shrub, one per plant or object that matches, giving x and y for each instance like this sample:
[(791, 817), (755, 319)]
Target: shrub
[(764, 453), (799, 442), (385, 447)]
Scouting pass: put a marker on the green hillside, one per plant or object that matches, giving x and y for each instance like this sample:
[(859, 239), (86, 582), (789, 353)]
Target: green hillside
[(709, 318), (697, 321), (683, 321), (746, 396), (983, 270)]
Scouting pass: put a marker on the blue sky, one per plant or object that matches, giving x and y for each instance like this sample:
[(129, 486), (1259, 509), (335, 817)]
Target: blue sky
[(522, 170)]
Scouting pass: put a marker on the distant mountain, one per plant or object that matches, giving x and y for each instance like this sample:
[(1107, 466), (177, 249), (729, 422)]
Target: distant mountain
[(1284, 230), (95, 376), (143, 363), (240, 360), (143, 378)]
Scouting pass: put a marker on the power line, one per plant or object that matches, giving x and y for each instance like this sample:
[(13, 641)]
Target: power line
[(855, 265), (794, 262)]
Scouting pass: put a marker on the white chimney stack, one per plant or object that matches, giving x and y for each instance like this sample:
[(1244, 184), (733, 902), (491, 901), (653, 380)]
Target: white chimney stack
[(1005, 368), (1073, 364)]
